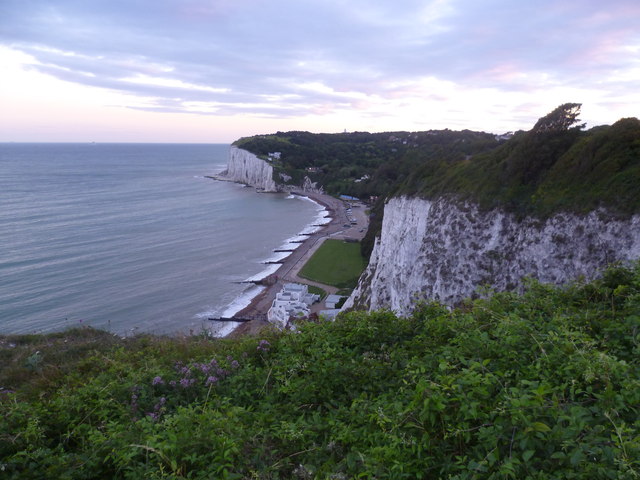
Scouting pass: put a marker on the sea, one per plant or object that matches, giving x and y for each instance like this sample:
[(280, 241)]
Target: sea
[(133, 238)]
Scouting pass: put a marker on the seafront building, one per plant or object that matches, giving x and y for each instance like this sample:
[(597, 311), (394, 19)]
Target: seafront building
[(293, 301), (332, 301)]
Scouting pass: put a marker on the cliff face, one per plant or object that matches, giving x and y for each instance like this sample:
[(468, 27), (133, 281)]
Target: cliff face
[(245, 167), (444, 250)]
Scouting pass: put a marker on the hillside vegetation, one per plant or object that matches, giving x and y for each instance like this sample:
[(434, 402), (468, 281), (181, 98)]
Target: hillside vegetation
[(556, 166), (362, 164), (545, 170), (542, 385)]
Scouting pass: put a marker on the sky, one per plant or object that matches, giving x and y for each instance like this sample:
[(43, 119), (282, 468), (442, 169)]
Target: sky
[(213, 71)]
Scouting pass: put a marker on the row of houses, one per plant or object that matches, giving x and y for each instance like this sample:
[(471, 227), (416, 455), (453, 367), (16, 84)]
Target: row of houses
[(294, 302)]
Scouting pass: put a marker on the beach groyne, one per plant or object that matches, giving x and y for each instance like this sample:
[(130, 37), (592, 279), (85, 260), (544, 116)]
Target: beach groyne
[(290, 265)]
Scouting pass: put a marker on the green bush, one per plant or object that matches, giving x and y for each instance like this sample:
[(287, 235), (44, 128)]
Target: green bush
[(540, 385)]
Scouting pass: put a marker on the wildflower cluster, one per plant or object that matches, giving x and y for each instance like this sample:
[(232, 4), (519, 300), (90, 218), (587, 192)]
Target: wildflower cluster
[(187, 382), (158, 409), (133, 403)]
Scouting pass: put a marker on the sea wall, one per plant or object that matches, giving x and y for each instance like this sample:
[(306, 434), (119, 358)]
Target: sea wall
[(245, 167), (443, 250)]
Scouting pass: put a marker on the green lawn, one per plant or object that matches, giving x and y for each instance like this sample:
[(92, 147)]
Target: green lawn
[(317, 291), (335, 263)]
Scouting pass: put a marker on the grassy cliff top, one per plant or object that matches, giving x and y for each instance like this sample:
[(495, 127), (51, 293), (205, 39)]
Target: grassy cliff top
[(541, 385)]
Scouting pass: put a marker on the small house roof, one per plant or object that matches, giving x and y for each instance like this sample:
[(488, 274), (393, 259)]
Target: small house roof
[(333, 298)]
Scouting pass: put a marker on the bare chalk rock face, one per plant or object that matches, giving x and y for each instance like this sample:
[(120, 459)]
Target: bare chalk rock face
[(444, 250)]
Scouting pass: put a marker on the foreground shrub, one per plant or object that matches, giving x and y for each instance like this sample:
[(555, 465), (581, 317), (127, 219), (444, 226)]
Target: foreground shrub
[(540, 385)]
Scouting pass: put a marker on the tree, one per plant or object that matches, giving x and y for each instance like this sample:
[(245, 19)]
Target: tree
[(561, 119)]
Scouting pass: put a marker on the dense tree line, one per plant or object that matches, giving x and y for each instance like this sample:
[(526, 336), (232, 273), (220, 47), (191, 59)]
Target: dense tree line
[(557, 165), (363, 164)]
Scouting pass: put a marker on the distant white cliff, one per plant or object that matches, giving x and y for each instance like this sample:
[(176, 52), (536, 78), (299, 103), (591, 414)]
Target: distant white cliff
[(245, 167), (444, 250)]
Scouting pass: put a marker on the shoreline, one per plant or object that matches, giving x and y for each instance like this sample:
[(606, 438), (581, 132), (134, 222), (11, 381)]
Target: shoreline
[(258, 307), (287, 272)]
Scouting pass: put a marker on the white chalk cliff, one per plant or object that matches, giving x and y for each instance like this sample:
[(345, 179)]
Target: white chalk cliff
[(443, 250), (245, 167)]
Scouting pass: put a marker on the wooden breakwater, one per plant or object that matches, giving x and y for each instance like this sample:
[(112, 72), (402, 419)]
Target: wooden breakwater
[(229, 319), (243, 319), (266, 281)]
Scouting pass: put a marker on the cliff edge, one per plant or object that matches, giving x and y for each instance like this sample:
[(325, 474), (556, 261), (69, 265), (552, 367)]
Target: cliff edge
[(444, 250), (245, 167)]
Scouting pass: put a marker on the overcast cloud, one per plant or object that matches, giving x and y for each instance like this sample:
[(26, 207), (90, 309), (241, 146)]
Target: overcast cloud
[(294, 58)]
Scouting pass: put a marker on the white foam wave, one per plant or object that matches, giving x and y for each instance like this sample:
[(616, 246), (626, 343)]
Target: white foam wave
[(277, 256), (322, 218), (264, 273), (242, 301), (288, 246), (222, 329), (303, 197), (309, 230), (297, 239)]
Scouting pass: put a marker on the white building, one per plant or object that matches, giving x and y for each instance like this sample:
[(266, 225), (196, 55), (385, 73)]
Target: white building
[(293, 301), (332, 300)]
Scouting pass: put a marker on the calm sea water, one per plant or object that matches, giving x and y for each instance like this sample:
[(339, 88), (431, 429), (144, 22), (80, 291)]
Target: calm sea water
[(130, 237)]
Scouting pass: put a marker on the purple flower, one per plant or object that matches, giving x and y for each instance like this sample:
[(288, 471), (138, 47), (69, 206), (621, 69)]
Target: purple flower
[(264, 345), (158, 406), (186, 382), (157, 381), (154, 416), (172, 383), (204, 368), (211, 380), (235, 364)]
